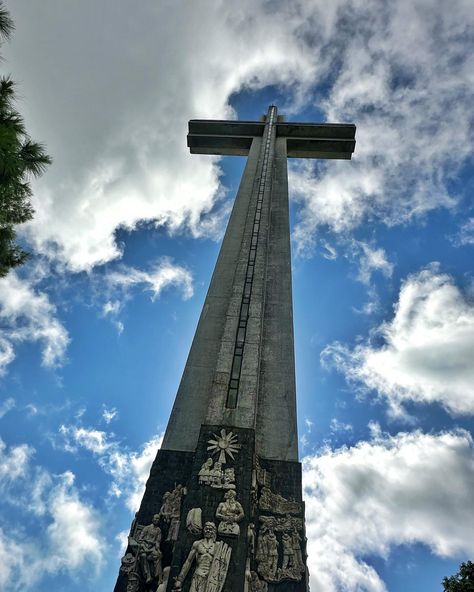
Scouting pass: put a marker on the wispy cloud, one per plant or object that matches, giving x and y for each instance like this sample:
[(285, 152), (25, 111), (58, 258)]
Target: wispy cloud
[(6, 406), (109, 414), (162, 275), (129, 469)]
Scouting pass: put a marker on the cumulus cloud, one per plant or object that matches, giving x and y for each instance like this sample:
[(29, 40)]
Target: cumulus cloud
[(406, 88), (129, 469), (68, 537), (392, 492), (126, 107), (427, 350), (28, 315)]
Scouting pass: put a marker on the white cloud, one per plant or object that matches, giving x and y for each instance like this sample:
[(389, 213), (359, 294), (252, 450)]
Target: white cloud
[(129, 469), (13, 462), (427, 349), (392, 490), (139, 470), (403, 75), (372, 259), (66, 537), (163, 275), (336, 426), (109, 414), (465, 235), (74, 531), (28, 315), (127, 109), (6, 405), (120, 282), (95, 441)]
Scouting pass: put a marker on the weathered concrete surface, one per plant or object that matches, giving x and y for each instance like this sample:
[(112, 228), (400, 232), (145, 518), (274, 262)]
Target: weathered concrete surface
[(217, 326), (276, 432)]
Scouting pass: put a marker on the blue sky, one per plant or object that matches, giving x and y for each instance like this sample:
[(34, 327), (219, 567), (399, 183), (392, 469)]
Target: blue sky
[(95, 329)]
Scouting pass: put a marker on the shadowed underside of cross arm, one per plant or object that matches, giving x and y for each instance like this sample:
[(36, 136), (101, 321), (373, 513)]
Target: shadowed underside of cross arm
[(304, 140)]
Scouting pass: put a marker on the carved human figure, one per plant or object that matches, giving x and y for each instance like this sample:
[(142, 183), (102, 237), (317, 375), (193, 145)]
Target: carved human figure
[(296, 544), (164, 584), (229, 479), (171, 510), (256, 584), (215, 475), (251, 538), (230, 512), (202, 552), (265, 501), (288, 551), (204, 474), (267, 554), (133, 582), (149, 553), (165, 506)]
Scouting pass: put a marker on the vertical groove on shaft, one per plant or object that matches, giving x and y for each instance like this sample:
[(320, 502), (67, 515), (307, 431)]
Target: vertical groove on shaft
[(265, 173)]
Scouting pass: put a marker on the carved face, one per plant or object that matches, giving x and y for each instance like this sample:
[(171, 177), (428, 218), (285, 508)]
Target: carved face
[(230, 495), (156, 519), (133, 583), (210, 530)]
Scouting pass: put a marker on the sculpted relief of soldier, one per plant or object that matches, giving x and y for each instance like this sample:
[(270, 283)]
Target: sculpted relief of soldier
[(270, 550), (170, 510)]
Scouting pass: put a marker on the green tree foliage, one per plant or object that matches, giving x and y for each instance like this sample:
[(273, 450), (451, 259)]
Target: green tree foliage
[(20, 160), (463, 581)]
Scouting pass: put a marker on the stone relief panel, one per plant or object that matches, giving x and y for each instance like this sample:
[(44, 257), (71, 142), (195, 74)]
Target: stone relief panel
[(277, 504), (211, 559), (279, 560), (217, 477), (278, 546), (142, 564)]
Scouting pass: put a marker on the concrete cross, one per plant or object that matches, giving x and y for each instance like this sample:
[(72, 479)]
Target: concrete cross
[(303, 140), (235, 409)]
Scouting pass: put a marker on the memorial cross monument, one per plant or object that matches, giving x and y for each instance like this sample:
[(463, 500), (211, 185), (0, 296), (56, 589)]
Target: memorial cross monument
[(223, 509)]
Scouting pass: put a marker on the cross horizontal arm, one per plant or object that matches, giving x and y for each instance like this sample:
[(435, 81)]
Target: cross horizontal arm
[(304, 140), (318, 140), (222, 137)]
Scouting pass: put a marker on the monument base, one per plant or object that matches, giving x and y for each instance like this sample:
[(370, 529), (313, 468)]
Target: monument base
[(219, 519)]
